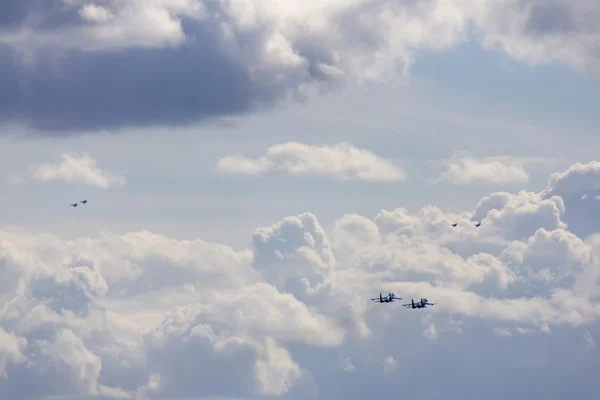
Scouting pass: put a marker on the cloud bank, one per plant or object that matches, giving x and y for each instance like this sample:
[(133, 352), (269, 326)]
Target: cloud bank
[(70, 66), (144, 316), (76, 169), (342, 161)]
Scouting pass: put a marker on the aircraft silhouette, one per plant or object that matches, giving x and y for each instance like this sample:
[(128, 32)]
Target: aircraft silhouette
[(387, 299), (419, 304), (477, 224)]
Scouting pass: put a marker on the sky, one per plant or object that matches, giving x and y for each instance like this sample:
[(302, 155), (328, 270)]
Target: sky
[(256, 171)]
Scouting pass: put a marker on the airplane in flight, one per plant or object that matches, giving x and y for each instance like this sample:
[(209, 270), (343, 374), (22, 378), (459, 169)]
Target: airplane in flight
[(83, 201), (419, 304), (477, 224), (73, 205), (387, 299)]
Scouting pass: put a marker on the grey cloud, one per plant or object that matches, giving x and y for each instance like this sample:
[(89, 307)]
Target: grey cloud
[(140, 87), (531, 31), (69, 90), (550, 18)]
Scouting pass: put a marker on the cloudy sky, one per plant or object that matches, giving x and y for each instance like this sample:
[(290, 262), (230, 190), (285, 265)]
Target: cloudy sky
[(256, 170)]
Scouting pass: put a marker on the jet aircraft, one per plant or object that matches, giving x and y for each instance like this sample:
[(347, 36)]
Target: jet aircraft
[(477, 224), (83, 201), (73, 205), (387, 299), (419, 304)]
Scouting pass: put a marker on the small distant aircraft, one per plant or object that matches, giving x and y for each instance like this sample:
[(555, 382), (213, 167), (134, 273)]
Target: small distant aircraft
[(419, 304), (387, 299), (83, 201), (477, 224), (73, 205)]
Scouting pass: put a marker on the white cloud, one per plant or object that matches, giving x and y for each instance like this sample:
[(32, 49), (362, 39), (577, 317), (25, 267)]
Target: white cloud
[(145, 316), (347, 365), (76, 169), (112, 25), (484, 171), (95, 13), (578, 186), (341, 161), (589, 341), (502, 332), (390, 364), (578, 178)]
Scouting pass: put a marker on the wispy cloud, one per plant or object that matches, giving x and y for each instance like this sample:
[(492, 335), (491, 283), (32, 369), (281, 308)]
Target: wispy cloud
[(390, 365), (76, 169), (342, 161), (589, 340)]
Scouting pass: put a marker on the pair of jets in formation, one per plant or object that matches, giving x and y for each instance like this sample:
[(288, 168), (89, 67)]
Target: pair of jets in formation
[(75, 204), (477, 225), (423, 303)]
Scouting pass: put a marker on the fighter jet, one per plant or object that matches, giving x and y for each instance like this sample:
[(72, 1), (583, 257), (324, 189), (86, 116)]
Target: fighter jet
[(387, 299), (73, 205), (478, 224), (454, 224), (419, 304), (83, 201)]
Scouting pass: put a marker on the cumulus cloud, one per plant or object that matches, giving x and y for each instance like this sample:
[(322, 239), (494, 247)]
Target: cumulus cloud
[(108, 64), (144, 316), (579, 187), (341, 161), (485, 171), (76, 169)]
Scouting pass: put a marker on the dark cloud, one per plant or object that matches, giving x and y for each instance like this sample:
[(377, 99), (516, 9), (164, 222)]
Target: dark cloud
[(140, 87), (550, 19)]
